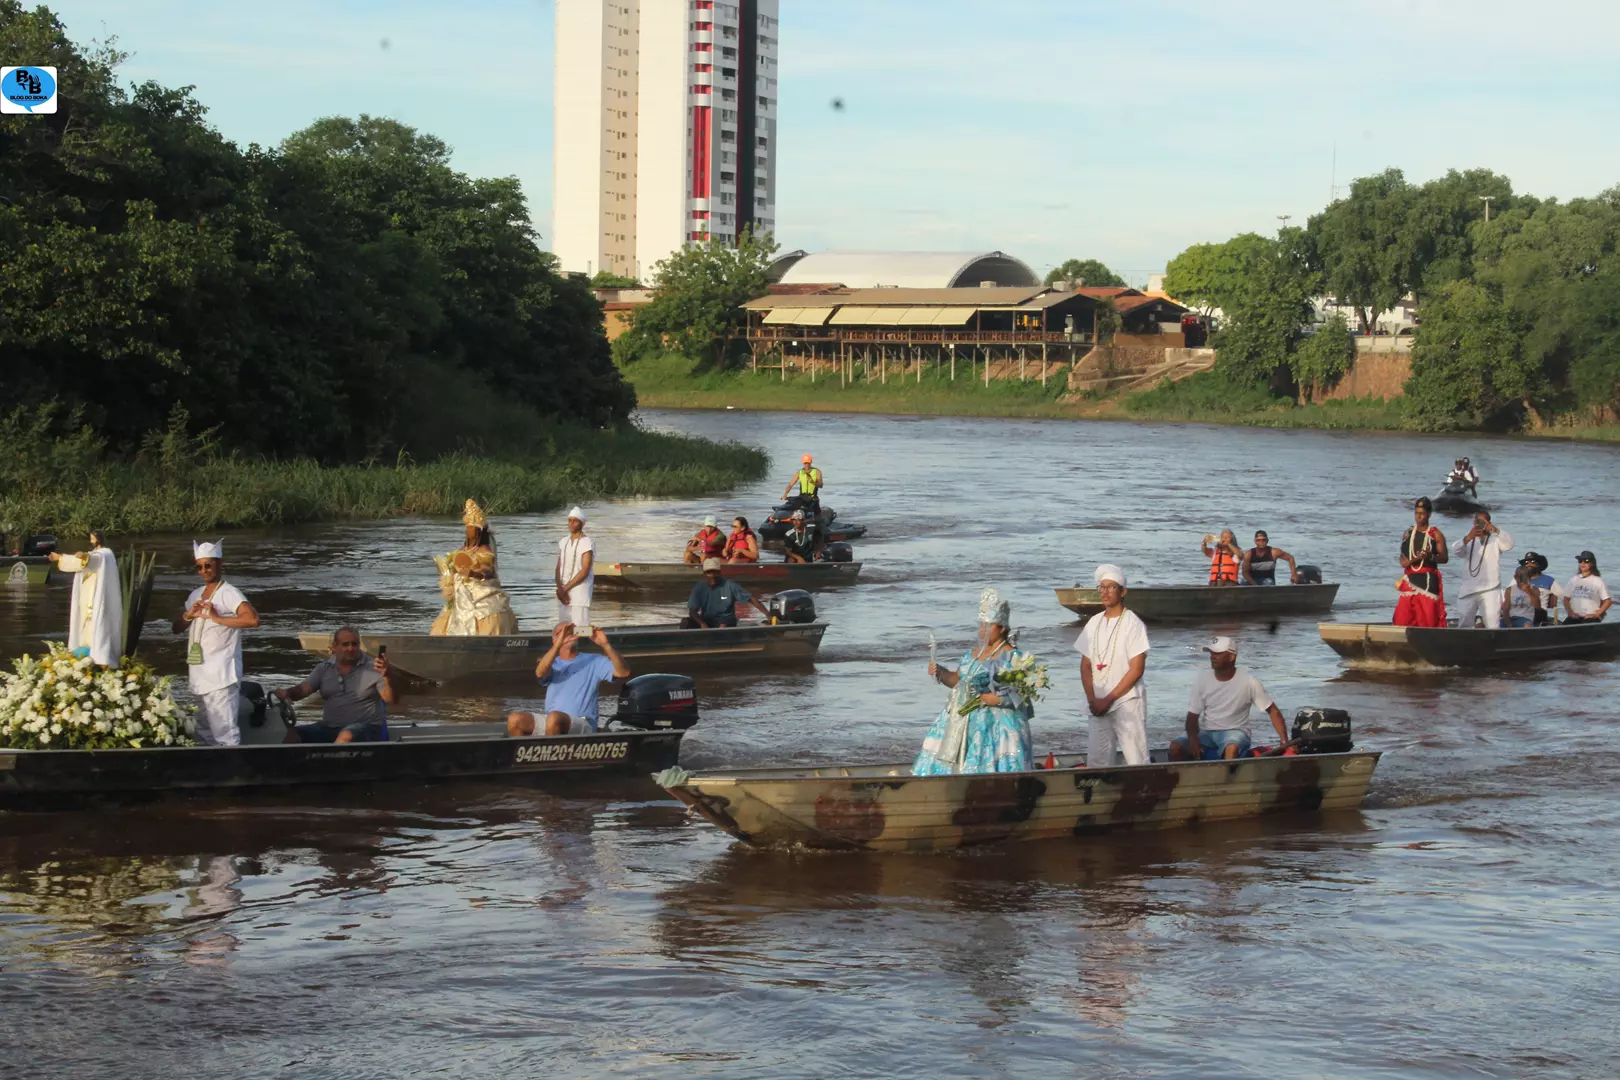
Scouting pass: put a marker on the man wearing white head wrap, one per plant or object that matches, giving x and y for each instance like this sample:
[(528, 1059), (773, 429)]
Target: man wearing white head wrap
[(576, 572), (215, 615), (1113, 650)]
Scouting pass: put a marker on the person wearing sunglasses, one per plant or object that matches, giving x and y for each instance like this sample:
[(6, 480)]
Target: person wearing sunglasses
[(215, 615), (1586, 598), (355, 691)]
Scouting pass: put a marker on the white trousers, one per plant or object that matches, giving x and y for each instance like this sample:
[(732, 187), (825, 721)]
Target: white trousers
[(1125, 727), (578, 614), (1487, 605), (216, 717)]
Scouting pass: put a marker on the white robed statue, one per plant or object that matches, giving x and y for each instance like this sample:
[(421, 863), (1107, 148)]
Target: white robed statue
[(96, 609)]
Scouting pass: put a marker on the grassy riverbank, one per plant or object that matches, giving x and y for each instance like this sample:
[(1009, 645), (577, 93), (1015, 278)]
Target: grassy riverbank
[(69, 483), (1208, 399)]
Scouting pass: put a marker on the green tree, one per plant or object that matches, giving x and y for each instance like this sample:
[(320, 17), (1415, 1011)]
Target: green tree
[(1366, 246), (1210, 276), (1469, 366), (1090, 271), (607, 279), (698, 293), (1320, 358), (1263, 287)]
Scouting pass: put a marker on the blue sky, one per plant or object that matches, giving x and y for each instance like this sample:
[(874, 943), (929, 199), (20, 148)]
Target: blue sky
[(1046, 128)]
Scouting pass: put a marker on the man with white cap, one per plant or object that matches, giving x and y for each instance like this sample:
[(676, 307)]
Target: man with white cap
[(713, 601), (215, 615), (1221, 698), (708, 543), (1113, 650), (576, 572)]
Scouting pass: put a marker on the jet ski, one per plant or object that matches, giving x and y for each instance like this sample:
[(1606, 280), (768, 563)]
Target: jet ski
[(1457, 501), (780, 520)]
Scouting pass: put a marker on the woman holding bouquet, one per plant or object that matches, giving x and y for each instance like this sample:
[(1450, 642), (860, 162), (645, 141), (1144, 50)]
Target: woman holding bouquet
[(474, 602), (984, 726)]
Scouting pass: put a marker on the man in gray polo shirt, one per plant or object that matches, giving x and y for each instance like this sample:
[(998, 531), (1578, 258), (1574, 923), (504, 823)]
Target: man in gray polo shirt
[(353, 690)]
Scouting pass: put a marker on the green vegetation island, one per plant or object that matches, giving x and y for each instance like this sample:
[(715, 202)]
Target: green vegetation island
[(200, 336)]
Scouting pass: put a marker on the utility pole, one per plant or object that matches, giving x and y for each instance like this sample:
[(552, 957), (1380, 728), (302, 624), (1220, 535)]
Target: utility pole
[(1486, 199)]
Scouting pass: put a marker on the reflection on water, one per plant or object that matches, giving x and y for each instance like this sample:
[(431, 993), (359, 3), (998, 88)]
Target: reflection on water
[(1463, 923)]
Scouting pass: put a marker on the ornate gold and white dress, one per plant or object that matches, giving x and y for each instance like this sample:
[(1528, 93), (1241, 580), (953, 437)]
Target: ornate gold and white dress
[(474, 602)]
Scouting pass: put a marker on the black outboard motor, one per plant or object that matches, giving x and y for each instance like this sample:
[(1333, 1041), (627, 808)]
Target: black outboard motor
[(1322, 731), (1309, 575), (792, 606), (656, 703), (38, 544), (838, 552)]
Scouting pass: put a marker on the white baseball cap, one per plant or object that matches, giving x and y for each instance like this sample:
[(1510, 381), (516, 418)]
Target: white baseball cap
[(708, 521), (1222, 644), (712, 564)]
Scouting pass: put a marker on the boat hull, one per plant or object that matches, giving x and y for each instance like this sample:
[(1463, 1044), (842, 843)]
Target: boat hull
[(618, 578), (646, 648), (885, 808), (56, 779), (1207, 602), (1380, 645), (772, 532), (25, 569)]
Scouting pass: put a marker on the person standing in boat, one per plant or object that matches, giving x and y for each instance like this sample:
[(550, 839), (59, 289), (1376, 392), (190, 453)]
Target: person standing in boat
[(1113, 648), (1224, 558), (1479, 581), (475, 605), (984, 727), (215, 615), (1423, 549), (806, 483), (576, 572), (1260, 562), (96, 608), (1586, 598)]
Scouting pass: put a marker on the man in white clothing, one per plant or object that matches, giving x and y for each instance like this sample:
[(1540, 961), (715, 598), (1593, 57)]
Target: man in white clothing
[(1113, 650), (576, 573), (1221, 698), (215, 615), (1476, 566)]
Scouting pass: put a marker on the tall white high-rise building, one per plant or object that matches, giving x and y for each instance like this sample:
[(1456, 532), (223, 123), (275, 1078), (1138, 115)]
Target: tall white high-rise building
[(665, 128)]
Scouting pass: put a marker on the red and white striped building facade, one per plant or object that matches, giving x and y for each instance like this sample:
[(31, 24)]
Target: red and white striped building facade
[(665, 128)]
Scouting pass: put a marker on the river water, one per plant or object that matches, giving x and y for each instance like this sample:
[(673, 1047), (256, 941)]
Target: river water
[(1464, 923)]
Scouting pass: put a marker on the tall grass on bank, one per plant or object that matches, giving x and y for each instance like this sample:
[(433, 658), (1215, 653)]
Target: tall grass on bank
[(1209, 398), (179, 482), (671, 381)]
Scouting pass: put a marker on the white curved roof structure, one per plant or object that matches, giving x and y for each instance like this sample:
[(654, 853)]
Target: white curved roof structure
[(902, 269)]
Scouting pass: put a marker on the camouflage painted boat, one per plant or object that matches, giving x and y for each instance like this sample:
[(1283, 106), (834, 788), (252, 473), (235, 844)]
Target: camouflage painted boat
[(426, 658), (1204, 601), (25, 569), (885, 808), (1381, 645), (623, 577)]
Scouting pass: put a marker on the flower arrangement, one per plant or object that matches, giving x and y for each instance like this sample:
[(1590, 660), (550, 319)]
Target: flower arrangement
[(1022, 677), (62, 701)]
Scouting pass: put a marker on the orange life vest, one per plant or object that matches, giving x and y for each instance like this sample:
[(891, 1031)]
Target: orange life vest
[(1223, 567)]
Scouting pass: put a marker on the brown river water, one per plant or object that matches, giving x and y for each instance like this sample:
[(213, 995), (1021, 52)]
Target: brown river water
[(1464, 923)]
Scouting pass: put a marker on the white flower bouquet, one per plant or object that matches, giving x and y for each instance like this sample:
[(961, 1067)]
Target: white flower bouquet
[(1022, 677), (65, 702)]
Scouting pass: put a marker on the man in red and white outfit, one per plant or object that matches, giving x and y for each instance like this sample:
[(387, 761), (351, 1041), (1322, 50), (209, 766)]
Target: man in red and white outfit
[(1423, 549)]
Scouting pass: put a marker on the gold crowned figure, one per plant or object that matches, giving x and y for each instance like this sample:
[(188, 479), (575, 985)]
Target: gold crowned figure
[(474, 602)]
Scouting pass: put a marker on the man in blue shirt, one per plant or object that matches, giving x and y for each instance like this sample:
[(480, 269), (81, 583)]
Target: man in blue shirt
[(714, 600), (573, 683)]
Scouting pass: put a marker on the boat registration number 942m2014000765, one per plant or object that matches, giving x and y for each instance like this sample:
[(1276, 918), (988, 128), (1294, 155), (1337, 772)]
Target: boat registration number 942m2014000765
[(591, 751)]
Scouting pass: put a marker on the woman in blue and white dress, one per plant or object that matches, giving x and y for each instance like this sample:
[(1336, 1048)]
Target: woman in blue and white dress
[(993, 736)]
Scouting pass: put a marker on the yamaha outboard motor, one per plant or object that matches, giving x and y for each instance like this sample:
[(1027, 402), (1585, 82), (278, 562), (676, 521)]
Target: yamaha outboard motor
[(1322, 731), (792, 606), (837, 552), (657, 703), (38, 544), (1309, 575)]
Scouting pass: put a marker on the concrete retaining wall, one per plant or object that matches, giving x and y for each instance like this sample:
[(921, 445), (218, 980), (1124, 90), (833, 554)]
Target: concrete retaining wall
[(1381, 375)]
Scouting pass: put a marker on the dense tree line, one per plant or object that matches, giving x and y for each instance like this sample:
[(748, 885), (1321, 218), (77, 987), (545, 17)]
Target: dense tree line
[(1518, 297), (348, 293)]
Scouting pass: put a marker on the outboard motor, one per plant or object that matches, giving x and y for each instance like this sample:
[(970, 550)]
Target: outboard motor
[(1322, 731), (657, 703), (38, 544), (838, 552), (1309, 575), (792, 606)]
